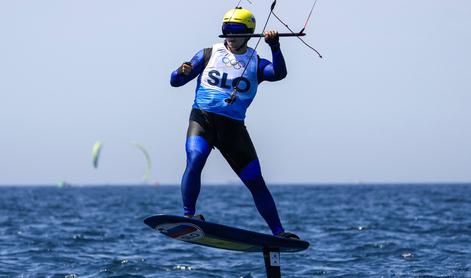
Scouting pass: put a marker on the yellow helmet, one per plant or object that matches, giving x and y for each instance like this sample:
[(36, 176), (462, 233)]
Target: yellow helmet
[(238, 17)]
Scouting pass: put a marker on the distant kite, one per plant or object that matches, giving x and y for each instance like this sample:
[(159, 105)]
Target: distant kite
[(99, 145), (96, 153), (148, 161)]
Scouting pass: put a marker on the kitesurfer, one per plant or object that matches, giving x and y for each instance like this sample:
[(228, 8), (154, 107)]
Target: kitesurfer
[(228, 76)]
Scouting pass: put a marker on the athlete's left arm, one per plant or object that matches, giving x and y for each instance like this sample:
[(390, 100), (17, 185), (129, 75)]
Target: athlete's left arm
[(276, 70)]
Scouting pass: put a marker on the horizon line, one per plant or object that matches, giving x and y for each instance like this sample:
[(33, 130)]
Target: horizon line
[(237, 184)]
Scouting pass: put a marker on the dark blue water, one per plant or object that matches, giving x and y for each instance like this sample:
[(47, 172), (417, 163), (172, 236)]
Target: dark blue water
[(355, 231)]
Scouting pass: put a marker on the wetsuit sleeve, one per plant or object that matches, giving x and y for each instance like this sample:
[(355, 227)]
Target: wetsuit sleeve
[(178, 79), (273, 71)]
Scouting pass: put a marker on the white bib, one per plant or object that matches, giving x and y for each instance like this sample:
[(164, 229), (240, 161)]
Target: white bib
[(216, 83)]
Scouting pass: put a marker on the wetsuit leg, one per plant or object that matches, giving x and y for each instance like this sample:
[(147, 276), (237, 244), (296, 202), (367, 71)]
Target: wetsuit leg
[(198, 147), (237, 148)]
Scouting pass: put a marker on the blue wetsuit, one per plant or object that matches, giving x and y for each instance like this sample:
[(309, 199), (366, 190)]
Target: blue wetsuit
[(214, 123)]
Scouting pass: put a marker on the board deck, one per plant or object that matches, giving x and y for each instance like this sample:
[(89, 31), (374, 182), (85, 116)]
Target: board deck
[(220, 236)]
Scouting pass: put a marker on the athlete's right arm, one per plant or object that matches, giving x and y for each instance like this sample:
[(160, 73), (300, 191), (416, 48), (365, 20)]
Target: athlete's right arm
[(179, 77)]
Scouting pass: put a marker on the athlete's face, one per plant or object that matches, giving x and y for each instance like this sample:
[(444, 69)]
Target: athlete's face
[(235, 43)]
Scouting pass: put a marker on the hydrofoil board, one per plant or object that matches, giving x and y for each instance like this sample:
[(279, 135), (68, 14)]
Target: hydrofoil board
[(220, 236)]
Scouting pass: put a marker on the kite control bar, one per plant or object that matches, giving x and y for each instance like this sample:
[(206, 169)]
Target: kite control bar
[(248, 35)]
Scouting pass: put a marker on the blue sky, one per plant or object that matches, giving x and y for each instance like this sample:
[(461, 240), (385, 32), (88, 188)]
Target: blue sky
[(388, 103)]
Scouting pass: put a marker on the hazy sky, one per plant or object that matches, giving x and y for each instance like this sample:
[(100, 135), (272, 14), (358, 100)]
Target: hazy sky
[(390, 101)]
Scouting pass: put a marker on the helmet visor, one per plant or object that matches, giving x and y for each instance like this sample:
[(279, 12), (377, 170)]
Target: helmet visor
[(234, 28)]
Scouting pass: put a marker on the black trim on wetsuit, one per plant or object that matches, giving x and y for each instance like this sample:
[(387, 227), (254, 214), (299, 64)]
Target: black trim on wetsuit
[(228, 135)]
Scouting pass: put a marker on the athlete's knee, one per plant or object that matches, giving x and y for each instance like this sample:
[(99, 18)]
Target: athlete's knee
[(251, 172), (197, 151), (195, 160)]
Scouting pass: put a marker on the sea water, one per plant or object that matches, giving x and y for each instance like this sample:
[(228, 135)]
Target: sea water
[(354, 231)]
